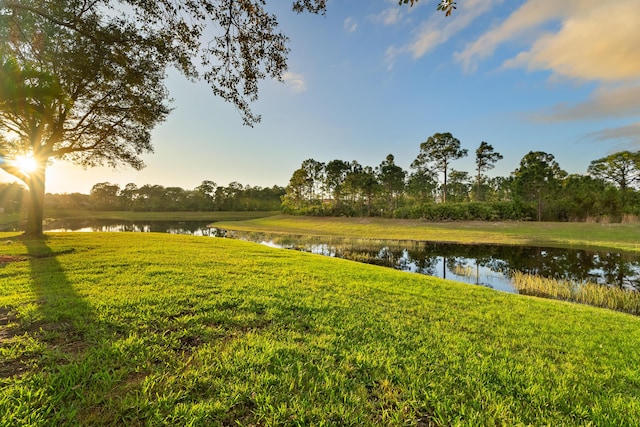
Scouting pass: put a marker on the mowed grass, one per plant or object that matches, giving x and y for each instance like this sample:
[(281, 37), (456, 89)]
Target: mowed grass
[(625, 237), (157, 329)]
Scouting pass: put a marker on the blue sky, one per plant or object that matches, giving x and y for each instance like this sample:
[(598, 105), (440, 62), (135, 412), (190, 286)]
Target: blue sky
[(373, 78)]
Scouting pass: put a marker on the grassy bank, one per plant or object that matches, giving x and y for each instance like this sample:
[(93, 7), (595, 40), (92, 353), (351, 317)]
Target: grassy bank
[(625, 237), (155, 329)]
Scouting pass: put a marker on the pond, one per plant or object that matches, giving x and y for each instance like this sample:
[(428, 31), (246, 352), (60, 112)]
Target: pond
[(196, 228), (483, 265)]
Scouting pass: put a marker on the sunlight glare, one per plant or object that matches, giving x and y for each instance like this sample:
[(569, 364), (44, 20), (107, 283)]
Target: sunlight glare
[(26, 164)]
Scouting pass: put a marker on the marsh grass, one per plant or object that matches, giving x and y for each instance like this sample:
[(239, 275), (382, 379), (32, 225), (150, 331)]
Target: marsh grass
[(594, 294), (115, 329)]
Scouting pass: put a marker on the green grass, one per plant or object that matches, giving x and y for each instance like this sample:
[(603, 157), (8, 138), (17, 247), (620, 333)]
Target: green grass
[(624, 237), (155, 329)]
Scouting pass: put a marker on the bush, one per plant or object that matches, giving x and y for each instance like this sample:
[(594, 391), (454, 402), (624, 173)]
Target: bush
[(476, 211)]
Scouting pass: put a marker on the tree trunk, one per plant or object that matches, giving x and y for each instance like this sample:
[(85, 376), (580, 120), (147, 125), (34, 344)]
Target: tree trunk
[(444, 187), (539, 206), (35, 214)]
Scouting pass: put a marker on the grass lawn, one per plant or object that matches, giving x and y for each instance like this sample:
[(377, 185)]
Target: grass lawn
[(624, 237), (157, 329)]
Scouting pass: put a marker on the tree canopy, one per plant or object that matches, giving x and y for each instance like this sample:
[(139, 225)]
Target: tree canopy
[(486, 159), (537, 178), (440, 149), (622, 168), (84, 80), (67, 95)]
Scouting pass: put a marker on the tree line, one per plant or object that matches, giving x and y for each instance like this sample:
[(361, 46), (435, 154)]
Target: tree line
[(208, 196), (538, 189)]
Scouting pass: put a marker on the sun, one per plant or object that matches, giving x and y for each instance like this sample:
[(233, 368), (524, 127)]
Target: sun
[(26, 164)]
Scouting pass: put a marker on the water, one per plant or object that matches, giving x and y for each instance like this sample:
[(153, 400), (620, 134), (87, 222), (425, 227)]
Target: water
[(196, 228), (482, 265)]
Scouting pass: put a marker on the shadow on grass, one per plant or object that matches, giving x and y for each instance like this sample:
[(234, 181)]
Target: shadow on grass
[(63, 318)]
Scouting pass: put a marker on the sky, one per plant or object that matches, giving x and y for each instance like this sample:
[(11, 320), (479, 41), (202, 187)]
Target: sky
[(373, 78)]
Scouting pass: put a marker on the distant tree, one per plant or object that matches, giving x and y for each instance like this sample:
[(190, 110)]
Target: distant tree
[(129, 196), (231, 197), (485, 160), (151, 198), (175, 199), (622, 169), (12, 196), (203, 196), (440, 149), (264, 199), (67, 201), (583, 197), (422, 185), (315, 172), (104, 196), (498, 189), (459, 186), (538, 178), (298, 191), (350, 188), (392, 180), (335, 174), (368, 186)]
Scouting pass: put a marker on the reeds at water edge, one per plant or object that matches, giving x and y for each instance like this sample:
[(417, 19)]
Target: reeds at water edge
[(590, 293)]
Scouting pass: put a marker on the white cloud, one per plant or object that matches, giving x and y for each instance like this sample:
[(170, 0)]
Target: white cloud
[(350, 25), (610, 102), (438, 29), (295, 81), (596, 40), (389, 16), (628, 136), (583, 40), (526, 19)]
